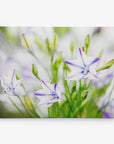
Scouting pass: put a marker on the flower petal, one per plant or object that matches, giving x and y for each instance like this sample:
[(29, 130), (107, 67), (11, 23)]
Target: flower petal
[(94, 61)]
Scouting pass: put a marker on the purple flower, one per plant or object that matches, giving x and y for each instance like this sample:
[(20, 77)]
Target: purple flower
[(9, 83), (49, 94), (82, 67)]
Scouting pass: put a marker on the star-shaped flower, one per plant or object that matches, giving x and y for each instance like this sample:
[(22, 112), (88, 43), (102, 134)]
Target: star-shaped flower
[(9, 83), (49, 94), (82, 67)]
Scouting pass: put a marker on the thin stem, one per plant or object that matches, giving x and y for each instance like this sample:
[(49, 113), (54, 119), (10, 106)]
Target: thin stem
[(39, 62), (35, 111), (49, 112), (18, 108), (30, 114)]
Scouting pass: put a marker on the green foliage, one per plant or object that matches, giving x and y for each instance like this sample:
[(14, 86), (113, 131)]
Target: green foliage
[(84, 95), (55, 67), (61, 30)]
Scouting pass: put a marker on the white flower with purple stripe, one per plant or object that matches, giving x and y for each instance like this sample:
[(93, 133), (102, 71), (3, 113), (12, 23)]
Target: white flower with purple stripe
[(9, 83), (49, 94), (82, 67)]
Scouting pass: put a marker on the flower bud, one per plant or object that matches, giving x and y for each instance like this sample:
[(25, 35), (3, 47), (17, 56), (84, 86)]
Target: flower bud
[(84, 95), (25, 42), (28, 103), (87, 42), (35, 71), (53, 44), (107, 65)]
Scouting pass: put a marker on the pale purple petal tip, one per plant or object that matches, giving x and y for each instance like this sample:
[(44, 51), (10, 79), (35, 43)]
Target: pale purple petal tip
[(46, 85), (94, 61), (80, 51)]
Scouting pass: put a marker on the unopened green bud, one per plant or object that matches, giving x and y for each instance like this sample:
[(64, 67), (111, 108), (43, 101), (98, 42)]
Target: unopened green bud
[(100, 54), (25, 42), (87, 42), (17, 76), (58, 61), (72, 47), (38, 42), (107, 65), (83, 49), (53, 44), (35, 71), (48, 44), (28, 103), (84, 95)]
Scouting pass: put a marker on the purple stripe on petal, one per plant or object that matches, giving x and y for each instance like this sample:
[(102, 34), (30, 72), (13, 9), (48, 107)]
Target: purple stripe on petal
[(55, 86), (12, 76), (46, 85), (72, 76), (45, 104), (80, 51), (73, 64), (82, 56), (38, 94), (94, 61), (106, 115), (94, 75)]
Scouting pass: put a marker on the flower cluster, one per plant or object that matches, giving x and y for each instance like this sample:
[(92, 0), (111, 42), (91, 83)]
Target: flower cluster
[(72, 87)]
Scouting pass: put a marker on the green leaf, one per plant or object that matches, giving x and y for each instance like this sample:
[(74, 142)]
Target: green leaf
[(107, 65)]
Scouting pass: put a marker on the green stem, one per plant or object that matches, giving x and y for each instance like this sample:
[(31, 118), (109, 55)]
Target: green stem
[(30, 114), (35, 111), (49, 112), (77, 109), (39, 62), (18, 108)]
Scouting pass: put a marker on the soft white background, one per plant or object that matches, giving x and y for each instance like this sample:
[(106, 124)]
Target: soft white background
[(56, 13)]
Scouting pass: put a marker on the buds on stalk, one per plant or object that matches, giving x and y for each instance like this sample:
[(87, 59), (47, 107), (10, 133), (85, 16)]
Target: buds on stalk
[(107, 65), (53, 44)]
